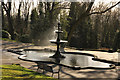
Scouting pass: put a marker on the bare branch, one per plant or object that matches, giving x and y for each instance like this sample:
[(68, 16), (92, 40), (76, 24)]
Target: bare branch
[(89, 7), (61, 8), (57, 3), (104, 10), (4, 6)]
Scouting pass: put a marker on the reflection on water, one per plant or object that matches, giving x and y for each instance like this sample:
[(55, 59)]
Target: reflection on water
[(73, 61), (70, 60)]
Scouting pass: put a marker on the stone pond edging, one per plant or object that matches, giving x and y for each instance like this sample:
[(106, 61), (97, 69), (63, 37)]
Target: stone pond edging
[(95, 58)]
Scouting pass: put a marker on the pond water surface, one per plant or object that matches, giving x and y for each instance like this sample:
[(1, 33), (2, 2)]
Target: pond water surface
[(70, 60)]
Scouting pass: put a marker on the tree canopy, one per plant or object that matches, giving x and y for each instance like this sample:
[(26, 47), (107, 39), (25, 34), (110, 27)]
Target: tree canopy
[(84, 25)]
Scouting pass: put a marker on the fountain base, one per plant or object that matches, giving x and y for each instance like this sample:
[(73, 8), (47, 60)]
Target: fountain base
[(57, 55)]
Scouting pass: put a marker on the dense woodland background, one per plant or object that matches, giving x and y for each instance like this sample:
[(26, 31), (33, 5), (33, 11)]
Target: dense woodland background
[(84, 24)]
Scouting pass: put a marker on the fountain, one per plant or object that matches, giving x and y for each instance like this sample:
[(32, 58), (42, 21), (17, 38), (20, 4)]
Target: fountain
[(58, 42)]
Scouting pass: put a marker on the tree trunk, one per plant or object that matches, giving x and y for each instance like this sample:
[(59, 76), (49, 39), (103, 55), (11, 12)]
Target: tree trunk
[(3, 19), (7, 8), (11, 29)]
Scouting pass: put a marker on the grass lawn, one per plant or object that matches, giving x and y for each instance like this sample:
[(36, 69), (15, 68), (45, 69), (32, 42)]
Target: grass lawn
[(16, 72), (6, 39)]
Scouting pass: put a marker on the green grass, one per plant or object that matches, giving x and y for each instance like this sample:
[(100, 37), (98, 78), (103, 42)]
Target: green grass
[(6, 39), (16, 72)]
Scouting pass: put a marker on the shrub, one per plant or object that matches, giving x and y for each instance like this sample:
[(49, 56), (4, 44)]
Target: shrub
[(25, 39)]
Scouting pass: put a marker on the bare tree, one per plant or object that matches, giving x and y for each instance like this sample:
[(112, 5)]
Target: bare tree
[(7, 8), (84, 15)]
